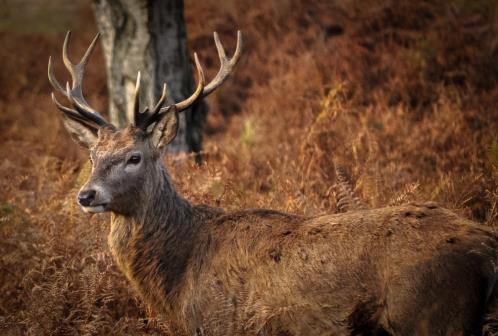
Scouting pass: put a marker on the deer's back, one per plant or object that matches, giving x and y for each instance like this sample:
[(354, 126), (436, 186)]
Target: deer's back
[(262, 270)]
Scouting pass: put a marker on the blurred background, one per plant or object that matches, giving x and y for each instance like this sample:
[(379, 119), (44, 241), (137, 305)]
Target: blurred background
[(397, 99)]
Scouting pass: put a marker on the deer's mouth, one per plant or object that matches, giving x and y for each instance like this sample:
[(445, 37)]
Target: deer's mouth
[(95, 208)]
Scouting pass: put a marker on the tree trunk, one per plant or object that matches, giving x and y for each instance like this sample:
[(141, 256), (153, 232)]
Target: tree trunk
[(149, 36)]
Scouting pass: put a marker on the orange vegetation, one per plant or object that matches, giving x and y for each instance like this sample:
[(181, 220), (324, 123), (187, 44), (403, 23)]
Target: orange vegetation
[(401, 94)]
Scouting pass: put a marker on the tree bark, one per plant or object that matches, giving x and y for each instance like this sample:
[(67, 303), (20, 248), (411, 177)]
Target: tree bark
[(149, 36)]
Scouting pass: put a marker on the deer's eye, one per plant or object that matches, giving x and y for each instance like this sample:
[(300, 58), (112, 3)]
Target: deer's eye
[(134, 159)]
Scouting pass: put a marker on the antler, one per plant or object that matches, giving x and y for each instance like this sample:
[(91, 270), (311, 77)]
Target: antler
[(82, 111), (226, 64), (146, 118)]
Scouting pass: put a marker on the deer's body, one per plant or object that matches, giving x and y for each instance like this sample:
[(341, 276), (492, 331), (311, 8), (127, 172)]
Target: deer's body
[(410, 270)]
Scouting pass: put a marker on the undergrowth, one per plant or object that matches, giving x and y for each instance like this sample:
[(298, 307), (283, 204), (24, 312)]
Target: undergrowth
[(401, 95)]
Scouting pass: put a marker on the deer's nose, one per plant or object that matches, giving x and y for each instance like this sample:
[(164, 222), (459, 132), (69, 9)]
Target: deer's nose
[(86, 197)]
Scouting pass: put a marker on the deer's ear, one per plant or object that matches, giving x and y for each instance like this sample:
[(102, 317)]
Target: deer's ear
[(82, 133), (165, 129)]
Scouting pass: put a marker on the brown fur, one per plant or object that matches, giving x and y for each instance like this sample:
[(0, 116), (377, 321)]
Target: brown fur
[(413, 269)]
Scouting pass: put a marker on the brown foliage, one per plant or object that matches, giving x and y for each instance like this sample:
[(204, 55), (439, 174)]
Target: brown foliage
[(401, 93)]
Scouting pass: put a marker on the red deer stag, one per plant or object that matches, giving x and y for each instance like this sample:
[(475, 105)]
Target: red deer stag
[(416, 269)]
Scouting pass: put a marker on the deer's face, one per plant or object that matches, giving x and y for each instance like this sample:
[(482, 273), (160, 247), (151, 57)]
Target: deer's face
[(122, 161), (125, 160)]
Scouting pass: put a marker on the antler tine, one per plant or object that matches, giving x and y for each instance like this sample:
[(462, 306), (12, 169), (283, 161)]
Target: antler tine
[(95, 117), (226, 64), (74, 93), (68, 111), (136, 101), (51, 77), (77, 71), (89, 51), (161, 100), (183, 105), (72, 114), (145, 118)]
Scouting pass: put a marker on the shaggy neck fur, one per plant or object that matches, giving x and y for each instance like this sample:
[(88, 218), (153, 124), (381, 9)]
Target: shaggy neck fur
[(153, 245)]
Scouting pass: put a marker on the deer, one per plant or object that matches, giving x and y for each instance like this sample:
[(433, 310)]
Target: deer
[(414, 269)]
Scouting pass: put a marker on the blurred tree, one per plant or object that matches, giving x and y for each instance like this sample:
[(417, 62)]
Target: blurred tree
[(149, 36)]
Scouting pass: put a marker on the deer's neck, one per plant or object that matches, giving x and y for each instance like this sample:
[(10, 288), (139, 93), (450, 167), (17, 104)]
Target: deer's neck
[(153, 246)]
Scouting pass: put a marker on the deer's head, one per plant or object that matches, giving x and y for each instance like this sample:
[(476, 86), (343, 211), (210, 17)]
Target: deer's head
[(126, 160)]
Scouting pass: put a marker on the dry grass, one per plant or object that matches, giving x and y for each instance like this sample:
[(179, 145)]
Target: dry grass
[(402, 94)]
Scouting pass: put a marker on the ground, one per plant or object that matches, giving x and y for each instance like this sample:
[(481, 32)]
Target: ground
[(400, 95)]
